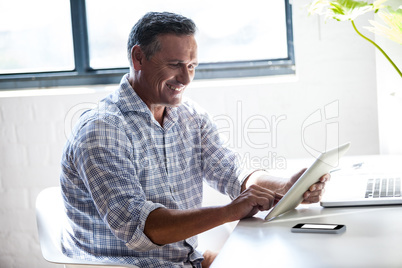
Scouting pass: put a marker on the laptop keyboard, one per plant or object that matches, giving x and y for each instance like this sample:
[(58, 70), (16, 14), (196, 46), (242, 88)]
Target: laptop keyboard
[(383, 187)]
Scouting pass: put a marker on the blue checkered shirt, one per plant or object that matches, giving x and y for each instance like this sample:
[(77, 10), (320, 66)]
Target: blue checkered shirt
[(119, 165)]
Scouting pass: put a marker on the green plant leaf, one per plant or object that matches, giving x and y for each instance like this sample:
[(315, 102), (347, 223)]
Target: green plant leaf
[(343, 10)]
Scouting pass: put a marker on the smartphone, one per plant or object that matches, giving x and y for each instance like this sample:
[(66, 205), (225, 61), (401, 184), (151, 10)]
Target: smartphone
[(319, 228)]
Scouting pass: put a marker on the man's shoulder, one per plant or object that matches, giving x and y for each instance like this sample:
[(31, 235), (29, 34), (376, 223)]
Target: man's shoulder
[(105, 115), (105, 110)]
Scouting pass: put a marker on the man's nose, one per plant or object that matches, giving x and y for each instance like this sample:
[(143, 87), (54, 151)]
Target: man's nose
[(185, 76)]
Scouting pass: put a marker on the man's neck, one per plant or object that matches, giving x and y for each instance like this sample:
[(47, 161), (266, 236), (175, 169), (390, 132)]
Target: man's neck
[(158, 111)]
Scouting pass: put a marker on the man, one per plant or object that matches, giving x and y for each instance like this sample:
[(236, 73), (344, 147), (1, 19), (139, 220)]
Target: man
[(133, 168)]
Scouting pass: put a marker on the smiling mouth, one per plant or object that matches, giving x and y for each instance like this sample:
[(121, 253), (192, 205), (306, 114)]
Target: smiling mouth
[(175, 88)]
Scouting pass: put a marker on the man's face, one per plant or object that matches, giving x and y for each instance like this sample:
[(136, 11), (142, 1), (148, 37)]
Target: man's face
[(169, 71)]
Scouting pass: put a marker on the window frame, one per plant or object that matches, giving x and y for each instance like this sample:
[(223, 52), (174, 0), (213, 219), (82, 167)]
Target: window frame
[(83, 74)]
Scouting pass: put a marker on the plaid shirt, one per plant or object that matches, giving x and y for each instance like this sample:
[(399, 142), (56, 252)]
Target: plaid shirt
[(119, 165)]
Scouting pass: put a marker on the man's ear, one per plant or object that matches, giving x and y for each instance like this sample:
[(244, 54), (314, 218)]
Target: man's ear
[(137, 56)]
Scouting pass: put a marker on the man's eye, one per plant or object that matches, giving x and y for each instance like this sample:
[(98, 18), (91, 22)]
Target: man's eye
[(193, 66)]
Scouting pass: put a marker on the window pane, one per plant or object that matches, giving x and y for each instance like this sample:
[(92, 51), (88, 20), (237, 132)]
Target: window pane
[(35, 36), (228, 30)]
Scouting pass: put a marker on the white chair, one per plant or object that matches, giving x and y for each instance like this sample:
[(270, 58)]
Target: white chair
[(49, 215)]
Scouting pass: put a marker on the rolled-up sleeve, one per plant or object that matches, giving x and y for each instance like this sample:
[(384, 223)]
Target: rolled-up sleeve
[(104, 161), (140, 241)]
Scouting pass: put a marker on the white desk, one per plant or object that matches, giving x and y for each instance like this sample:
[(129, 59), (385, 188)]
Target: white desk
[(373, 238)]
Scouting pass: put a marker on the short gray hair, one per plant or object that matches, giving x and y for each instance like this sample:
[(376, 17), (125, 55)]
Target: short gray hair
[(146, 31)]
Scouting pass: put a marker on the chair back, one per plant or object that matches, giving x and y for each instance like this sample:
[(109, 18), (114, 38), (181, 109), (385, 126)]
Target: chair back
[(50, 214)]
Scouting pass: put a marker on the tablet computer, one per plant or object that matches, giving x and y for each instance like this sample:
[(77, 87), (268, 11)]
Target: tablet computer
[(321, 166)]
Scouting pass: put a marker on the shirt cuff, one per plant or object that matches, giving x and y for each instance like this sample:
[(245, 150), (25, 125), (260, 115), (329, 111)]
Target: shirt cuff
[(140, 241), (246, 173)]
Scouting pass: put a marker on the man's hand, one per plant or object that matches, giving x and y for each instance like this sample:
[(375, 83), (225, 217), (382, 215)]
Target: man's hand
[(255, 198), (263, 191), (315, 192)]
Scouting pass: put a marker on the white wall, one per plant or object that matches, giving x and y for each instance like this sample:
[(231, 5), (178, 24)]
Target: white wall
[(335, 68), (389, 87)]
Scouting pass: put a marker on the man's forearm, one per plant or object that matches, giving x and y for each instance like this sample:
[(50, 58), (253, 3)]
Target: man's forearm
[(165, 226), (259, 192)]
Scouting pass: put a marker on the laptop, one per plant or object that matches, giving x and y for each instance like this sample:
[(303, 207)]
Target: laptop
[(364, 185), (326, 162)]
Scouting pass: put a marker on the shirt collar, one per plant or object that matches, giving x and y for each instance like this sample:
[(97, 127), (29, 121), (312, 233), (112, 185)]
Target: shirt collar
[(127, 99)]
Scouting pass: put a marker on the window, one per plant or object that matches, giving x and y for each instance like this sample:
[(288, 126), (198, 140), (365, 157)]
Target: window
[(32, 41), (75, 42)]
